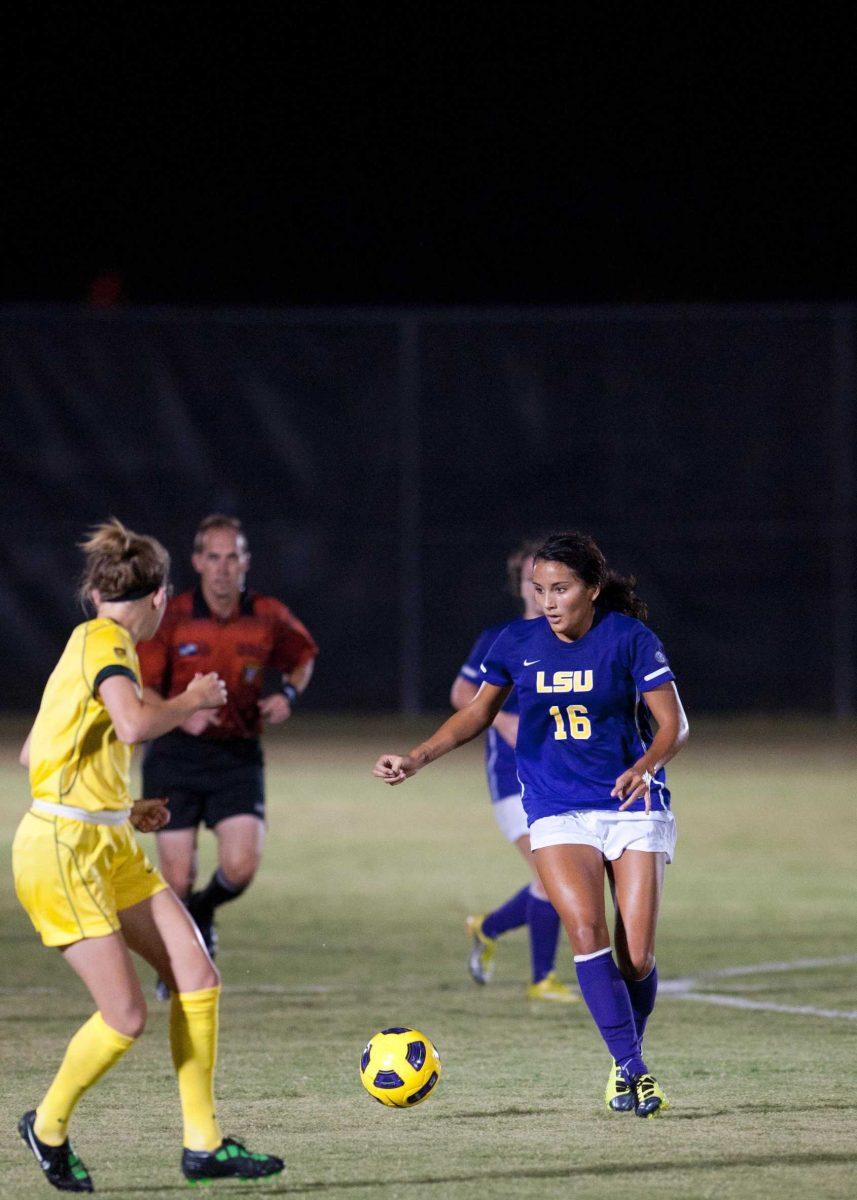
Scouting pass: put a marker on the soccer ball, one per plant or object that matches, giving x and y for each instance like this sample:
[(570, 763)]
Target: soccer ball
[(399, 1067)]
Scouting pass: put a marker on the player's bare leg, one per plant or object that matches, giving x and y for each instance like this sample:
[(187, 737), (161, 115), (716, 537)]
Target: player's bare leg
[(105, 967), (178, 859), (636, 881), (573, 876), (573, 879), (161, 931), (522, 845), (239, 848)]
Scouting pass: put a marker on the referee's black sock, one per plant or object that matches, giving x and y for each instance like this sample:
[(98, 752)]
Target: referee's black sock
[(219, 890)]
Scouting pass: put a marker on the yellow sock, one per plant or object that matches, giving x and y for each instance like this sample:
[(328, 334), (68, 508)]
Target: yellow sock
[(94, 1049), (193, 1040)]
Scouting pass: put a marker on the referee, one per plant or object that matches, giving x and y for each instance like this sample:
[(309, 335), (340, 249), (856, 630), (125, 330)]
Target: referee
[(211, 767)]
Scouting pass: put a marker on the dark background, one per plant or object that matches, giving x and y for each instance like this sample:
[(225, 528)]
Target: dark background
[(401, 288), (324, 153)]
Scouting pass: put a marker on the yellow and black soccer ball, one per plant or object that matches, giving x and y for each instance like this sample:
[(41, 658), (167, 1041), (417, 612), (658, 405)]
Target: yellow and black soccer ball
[(400, 1067)]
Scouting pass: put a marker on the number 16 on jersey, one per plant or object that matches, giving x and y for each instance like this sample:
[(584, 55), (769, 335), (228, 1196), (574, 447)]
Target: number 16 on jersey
[(579, 725)]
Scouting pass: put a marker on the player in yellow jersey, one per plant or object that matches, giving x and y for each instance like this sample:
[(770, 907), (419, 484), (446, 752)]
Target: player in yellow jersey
[(86, 884)]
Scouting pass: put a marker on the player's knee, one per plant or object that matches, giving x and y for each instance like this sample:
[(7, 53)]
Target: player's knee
[(587, 937), (196, 973), (212, 977), (638, 965), (180, 879), (128, 1019), (239, 869)]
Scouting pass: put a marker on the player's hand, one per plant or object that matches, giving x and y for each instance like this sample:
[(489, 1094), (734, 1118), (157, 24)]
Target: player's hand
[(275, 708), (394, 768), (200, 721), (150, 815), (631, 785), (208, 691)]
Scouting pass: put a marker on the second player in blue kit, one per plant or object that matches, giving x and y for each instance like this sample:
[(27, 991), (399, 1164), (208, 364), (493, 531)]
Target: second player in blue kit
[(529, 905), (589, 674)]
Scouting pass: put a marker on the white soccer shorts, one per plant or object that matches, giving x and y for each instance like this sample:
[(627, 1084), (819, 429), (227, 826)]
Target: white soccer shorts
[(610, 832), (510, 816)]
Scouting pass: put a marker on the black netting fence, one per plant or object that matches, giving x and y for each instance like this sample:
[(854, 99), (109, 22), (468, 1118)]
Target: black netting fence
[(385, 462)]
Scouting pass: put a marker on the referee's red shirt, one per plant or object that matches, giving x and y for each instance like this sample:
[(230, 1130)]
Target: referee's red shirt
[(261, 634)]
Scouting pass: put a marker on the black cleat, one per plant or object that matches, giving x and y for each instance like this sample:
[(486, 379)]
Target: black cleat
[(62, 1168), (651, 1100), (619, 1096), (230, 1160), (204, 918)]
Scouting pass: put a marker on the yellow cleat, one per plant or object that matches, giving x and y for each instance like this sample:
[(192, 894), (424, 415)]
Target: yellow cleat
[(552, 990), (619, 1095), (651, 1100), (481, 961)]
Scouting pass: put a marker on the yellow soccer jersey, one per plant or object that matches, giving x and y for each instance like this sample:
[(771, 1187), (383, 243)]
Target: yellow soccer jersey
[(75, 756)]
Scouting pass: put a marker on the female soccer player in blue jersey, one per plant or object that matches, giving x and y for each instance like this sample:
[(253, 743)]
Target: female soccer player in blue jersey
[(529, 905), (587, 676)]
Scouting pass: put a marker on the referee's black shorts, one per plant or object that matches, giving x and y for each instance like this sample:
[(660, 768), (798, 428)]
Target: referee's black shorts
[(205, 780)]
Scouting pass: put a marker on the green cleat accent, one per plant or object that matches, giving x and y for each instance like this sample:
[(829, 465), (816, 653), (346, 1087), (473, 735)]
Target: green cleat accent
[(62, 1167), (231, 1160), (619, 1095)]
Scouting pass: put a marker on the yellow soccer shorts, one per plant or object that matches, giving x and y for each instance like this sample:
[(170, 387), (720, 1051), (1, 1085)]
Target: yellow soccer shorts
[(74, 878)]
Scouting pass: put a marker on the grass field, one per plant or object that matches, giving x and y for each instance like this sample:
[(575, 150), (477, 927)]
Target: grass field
[(356, 923)]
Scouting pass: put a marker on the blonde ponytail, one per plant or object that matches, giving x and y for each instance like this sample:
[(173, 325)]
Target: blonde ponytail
[(121, 564)]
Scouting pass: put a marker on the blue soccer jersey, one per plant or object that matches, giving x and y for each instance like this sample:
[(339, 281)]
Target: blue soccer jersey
[(582, 718), (500, 766)]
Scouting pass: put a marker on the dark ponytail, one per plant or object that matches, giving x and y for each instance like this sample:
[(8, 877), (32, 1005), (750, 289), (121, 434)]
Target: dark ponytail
[(579, 552)]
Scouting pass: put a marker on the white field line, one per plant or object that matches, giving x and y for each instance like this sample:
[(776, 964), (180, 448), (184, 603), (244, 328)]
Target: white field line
[(800, 1010), (685, 989), (690, 982), (677, 989), (770, 968)]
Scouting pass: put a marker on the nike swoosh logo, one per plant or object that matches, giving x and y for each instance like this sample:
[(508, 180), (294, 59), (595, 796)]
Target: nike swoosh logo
[(529, 662)]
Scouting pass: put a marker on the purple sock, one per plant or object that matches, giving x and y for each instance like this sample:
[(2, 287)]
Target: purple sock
[(606, 996), (642, 993), (508, 916), (544, 934)]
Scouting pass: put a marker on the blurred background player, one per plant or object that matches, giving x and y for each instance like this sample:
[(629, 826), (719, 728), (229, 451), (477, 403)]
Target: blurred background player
[(588, 675), (86, 884), (529, 906), (211, 767)]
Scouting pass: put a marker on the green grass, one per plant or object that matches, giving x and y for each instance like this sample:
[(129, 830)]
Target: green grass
[(356, 923)]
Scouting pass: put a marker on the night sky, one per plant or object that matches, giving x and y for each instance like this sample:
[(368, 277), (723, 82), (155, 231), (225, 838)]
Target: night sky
[(481, 153)]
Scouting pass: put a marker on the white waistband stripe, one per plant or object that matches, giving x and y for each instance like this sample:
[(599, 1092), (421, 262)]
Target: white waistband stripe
[(106, 816)]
